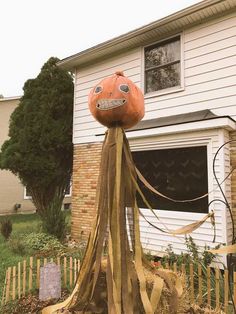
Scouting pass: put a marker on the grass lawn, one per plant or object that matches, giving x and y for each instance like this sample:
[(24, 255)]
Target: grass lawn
[(21, 224)]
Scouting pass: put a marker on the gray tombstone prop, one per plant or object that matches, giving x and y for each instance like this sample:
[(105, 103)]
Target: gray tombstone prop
[(50, 282)]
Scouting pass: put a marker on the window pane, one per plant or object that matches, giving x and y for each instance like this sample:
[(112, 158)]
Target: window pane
[(162, 54), (161, 78), (179, 173), (27, 193), (68, 189)]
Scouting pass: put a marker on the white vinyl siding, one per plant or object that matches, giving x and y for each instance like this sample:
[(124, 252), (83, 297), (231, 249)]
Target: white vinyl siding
[(209, 52)]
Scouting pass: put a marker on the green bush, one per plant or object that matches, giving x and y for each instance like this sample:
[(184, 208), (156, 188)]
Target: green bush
[(42, 242), (6, 228), (54, 219), (194, 255)]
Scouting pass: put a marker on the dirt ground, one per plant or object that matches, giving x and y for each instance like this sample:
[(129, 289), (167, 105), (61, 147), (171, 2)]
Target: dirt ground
[(32, 305)]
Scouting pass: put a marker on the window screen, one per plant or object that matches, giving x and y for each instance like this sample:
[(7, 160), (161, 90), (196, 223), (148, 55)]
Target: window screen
[(162, 65), (180, 173)]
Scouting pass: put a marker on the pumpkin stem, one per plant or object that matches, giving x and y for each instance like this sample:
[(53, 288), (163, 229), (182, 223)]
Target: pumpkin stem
[(119, 73)]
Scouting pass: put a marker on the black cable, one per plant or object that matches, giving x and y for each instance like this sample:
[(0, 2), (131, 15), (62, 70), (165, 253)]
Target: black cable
[(229, 257)]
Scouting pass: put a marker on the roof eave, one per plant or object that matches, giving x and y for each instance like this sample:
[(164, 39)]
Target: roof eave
[(137, 37)]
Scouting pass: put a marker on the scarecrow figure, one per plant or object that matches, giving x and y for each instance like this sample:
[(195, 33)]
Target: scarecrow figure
[(118, 103)]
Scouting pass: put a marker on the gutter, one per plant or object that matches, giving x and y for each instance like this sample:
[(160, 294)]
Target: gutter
[(10, 98)]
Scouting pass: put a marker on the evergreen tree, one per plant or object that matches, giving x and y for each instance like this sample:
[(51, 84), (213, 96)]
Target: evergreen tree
[(39, 149)]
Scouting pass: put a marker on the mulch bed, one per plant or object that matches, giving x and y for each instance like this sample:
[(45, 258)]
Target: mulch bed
[(30, 304)]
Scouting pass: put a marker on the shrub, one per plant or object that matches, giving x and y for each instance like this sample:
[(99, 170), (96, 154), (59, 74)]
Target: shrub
[(6, 228), (42, 242), (193, 255), (54, 220)]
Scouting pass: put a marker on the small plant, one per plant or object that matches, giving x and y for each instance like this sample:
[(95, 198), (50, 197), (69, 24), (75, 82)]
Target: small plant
[(197, 257), (42, 242), (194, 255), (17, 246), (6, 228), (54, 219)]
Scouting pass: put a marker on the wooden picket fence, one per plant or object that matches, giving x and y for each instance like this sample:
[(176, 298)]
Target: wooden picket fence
[(25, 277), (209, 286)]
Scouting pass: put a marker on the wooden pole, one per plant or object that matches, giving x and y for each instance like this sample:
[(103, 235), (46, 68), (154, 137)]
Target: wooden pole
[(217, 288), (19, 281), (45, 261), (200, 283), (75, 270), (78, 265), (71, 271), (24, 277), (226, 290), (38, 273), (14, 283), (30, 272), (175, 267), (8, 285), (191, 284), (208, 285)]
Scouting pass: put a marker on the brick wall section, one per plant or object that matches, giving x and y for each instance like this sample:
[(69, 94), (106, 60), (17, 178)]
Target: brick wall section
[(85, 174), (233, 177)]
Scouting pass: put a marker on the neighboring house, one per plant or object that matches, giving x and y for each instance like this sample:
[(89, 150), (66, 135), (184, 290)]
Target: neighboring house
[(13, 195), (186, 66)]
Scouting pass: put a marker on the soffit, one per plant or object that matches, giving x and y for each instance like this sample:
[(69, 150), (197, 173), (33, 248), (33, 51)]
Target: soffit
[(157, 30)]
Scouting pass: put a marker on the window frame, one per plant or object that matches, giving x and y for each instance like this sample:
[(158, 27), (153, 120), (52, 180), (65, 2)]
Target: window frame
[(166, 205), (179, 143), (70, 193), (26, 197), (169, 90)]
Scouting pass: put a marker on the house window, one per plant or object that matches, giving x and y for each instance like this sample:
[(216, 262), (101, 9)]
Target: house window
[(27, 195), (162, 65), (179, 173), (68, 191)]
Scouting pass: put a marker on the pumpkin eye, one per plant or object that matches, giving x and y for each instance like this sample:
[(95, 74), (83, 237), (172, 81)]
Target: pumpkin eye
[(98, 90), (124, 88)]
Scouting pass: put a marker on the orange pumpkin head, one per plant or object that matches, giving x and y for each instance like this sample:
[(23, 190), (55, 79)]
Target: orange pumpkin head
[(117, 101)]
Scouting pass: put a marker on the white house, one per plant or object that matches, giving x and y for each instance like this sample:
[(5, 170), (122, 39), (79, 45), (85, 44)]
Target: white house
[(185, 65)]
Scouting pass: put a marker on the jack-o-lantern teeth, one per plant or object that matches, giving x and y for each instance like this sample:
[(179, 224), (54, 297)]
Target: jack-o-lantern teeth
[(108, 104)]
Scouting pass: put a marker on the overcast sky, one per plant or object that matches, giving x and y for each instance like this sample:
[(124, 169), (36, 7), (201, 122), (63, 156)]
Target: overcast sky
[(34, 30)]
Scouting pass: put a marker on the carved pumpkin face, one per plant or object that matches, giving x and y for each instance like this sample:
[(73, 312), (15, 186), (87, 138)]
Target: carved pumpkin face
[(117, 101)]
